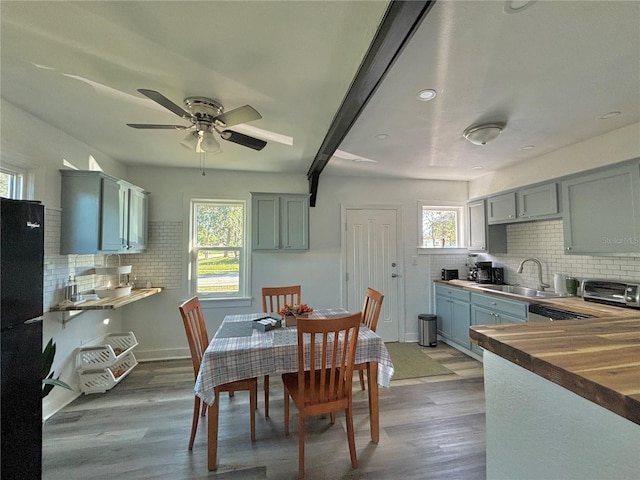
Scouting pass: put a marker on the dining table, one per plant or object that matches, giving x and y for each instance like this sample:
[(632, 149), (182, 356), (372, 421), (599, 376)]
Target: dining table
[(239, 351)]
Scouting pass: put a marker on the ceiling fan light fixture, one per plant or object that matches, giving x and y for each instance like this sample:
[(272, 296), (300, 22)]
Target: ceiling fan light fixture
[(209, 143), (190, 141), (483, 134)]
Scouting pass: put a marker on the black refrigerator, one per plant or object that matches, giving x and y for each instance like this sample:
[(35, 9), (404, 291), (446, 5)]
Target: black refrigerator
[(21, 285)]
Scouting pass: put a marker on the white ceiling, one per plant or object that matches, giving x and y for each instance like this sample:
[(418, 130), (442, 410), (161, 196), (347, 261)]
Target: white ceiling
[(549, 72)]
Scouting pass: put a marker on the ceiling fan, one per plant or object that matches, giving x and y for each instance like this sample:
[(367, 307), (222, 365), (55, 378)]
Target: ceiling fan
[(206, 116)]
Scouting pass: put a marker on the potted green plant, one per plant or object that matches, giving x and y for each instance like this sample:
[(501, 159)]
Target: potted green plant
[(48, 382)]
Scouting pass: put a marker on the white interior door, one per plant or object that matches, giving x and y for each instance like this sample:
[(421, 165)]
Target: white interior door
[(371, 261)]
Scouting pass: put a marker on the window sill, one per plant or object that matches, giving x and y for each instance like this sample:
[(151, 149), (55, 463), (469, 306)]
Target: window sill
[(212, 302), (442, 251)]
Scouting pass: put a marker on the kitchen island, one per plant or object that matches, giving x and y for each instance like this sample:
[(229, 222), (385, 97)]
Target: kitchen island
[(562, 398)]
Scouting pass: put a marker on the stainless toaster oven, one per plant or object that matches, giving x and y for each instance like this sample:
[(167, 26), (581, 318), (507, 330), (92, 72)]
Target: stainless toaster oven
[(621, 293)]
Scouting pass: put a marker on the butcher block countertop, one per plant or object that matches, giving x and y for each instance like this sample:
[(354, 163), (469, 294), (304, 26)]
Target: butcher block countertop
[(109, 303), (598, 359)]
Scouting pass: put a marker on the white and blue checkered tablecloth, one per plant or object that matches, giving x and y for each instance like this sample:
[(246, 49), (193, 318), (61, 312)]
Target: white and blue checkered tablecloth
[(274, 352)]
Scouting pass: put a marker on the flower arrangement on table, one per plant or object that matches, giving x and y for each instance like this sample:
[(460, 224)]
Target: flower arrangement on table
[(290, 312)]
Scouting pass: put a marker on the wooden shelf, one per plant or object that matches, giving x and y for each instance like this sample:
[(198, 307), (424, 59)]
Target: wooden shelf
[(109, 303)]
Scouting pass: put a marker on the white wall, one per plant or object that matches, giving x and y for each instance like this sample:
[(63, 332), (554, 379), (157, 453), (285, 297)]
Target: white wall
[(318, 270), (537, 429), (31, 144)]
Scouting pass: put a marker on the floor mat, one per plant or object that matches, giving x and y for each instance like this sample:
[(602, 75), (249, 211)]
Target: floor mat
[(410, 361)]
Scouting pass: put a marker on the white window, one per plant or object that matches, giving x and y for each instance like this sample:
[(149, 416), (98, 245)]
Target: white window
[(218, 259), (440, 226), (11, 182)]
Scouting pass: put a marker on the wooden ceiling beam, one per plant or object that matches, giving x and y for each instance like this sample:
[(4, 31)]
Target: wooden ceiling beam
[(400, 22)]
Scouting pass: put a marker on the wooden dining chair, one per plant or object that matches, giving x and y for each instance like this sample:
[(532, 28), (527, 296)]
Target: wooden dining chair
[(196, 330), (273, 299), (326, 386), (370, 313)]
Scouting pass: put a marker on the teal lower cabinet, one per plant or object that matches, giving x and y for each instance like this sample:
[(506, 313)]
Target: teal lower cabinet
[(453, 312), (489, 309)]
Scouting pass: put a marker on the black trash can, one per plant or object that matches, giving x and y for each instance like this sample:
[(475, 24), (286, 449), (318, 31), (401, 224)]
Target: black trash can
[(428, 330)]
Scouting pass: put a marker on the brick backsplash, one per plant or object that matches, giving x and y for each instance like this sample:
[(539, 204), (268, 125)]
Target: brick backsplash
[(161, 264), (58, 268), (544, 241)]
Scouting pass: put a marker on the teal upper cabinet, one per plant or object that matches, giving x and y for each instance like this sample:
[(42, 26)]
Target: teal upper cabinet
[(101, 214), (501, 208), (602, 212), (137, 219), (280, 222), (533, 203), (483, 237), (540, 201)]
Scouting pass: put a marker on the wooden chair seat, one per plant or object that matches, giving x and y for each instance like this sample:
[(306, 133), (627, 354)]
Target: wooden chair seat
[(198, 339), (273, 299), (327, 386), (370, 313)]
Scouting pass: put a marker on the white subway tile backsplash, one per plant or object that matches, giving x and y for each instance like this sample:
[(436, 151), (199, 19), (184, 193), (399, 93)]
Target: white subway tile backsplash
[(544, 240)]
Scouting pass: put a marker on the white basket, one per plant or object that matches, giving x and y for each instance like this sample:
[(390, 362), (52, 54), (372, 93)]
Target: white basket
[(113, 292), (105, 351), (99, 381)]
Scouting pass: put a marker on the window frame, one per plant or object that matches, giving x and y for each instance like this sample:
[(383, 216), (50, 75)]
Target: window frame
[(17, 185), (243, 296), (459, 208)]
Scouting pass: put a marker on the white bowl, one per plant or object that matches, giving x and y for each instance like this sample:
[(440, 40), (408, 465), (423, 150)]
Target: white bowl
[(116, 292)]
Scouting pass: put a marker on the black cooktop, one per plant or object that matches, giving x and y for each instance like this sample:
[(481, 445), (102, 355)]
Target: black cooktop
[(555, 313)]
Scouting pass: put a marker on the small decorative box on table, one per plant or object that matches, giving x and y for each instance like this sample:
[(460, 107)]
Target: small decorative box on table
[(106, 361)]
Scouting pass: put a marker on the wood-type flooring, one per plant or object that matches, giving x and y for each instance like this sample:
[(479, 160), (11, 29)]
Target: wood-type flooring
[(430, 428)]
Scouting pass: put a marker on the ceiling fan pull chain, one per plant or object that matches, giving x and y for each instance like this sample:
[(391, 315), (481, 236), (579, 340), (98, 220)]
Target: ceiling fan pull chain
[(202, 159)]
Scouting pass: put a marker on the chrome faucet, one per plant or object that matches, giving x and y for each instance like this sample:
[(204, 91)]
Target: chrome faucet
[(542, 285)]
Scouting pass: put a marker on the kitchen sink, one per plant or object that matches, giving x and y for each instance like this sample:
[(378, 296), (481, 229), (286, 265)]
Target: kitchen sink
[(519, 291)]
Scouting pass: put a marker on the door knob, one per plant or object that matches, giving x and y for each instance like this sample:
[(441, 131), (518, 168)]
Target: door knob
[(394, 275)]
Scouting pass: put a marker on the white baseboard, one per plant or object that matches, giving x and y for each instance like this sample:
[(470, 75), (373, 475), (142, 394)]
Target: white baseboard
[(411, 338), (161, 354)]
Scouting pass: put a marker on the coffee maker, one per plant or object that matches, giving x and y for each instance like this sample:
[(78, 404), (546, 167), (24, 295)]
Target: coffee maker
[(484, 273)]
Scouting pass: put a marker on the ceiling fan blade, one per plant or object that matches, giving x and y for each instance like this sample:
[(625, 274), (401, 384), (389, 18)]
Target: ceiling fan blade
[(165, 102), (242, 139), (238, 115), (157, 127)]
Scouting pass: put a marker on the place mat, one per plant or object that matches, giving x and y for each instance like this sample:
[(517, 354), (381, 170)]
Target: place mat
[(235, 329)]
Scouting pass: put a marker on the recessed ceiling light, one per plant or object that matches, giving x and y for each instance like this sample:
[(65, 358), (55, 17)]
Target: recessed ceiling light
[(426, 95), (477, 167), (609, 115), (382, 136), (528, 147)]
